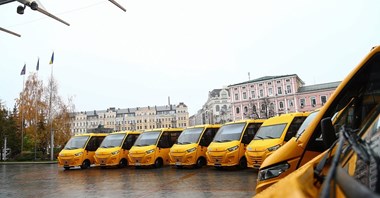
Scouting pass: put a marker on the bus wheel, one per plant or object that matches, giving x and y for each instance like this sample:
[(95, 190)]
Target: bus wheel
[(123, 163), (242, 163), (85, 164), (200, 162), (158, 163)]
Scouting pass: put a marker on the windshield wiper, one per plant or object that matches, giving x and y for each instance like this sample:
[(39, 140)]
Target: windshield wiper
[(226, 140), (259, 137), (270, 137), (358, 145)]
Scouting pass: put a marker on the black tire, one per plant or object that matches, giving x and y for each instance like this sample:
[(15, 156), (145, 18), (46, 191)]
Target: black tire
[(123, 163), (242, 163), (85, 164), (200, 162), (66, 168), (179, 166), (158, 163)]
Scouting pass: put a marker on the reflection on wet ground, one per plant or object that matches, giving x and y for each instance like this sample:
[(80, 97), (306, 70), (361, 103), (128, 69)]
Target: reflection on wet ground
[(48, 180)]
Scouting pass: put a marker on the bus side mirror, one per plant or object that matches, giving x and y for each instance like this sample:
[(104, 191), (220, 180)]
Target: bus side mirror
[(328, 132)]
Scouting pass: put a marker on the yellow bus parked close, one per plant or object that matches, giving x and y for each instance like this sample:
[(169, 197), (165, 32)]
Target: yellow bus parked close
[(115, 148), (229, 144), (348, 106), (191, 147), (273, 133), (152, 147), (80, 150)]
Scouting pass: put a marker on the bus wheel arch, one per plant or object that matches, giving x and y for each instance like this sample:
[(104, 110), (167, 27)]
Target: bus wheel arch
[(85, 164), (201, 161), (123, 163), (158, 163), (242, 163)]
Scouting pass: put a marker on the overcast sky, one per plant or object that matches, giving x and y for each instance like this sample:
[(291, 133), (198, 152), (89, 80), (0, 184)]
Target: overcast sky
[(182, 49)]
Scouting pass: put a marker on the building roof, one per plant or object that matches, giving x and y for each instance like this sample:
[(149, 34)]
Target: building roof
[(330, 85), (126, 110), (214, 93), (265, 78)]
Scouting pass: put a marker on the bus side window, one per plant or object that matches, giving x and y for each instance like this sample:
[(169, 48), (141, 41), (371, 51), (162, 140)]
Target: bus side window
[(91, 145), (173, 138), (129, 141), (293, 128), (164, 141), (250, 133), (207, 137)]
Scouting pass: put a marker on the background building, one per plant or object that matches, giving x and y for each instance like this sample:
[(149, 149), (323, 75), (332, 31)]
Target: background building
[(263, 97), (140, 118)]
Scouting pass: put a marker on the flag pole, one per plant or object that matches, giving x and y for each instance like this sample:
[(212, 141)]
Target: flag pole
[(36, 93), (50, 113), (23, 71)]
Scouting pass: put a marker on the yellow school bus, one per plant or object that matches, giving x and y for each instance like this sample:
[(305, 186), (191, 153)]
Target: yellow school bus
[(273, 133), (152, 147), (229, 144), (348, 106), (348, 169), (191, 147), (114, 149), (80, 150)]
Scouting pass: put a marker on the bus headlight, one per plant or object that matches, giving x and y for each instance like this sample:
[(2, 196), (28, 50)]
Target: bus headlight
[(149, 151), (115, 152), (273, 148), (191, 150), (272, 172), (78, 154), (233, 148)]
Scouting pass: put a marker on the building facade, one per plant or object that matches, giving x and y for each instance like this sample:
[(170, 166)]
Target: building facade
[(140, 118), (274, 95), (217, 108)]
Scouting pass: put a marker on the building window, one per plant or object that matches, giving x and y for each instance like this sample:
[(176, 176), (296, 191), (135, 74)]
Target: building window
[(281, 105), (290, 103), (278, 82), (288, 89), (323, 99), (263, 107), (287, 80), (269, 83), (279, 90), (260, 85), (223, 94), (261, 93), (313, 101), (270, 91), (253, 94), (237, 110), (244, 95), (236, 96), (245, 109), (302, 102), (217, 108)]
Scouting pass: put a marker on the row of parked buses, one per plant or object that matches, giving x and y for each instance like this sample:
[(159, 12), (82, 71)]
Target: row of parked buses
[(334, 151), (239, 143)]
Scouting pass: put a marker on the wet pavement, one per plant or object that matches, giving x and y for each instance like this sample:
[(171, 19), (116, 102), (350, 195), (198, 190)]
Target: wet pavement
[(48, 180)]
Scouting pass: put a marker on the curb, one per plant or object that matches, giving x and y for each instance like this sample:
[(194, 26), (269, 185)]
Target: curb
[(29, 162)]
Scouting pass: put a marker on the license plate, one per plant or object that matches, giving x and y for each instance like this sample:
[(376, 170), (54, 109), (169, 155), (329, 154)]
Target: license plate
[(218, 165), (137, 164), (178, 163)]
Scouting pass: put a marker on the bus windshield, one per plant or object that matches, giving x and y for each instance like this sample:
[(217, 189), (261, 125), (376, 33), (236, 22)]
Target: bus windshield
[(76, 142), (147, 138), (189, 136), (270, 132), (229, 132), (112, 140), (306, 123)]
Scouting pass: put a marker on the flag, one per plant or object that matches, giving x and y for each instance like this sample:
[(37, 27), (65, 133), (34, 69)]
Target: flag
[(52, 59), (23, 70), (38, 64)]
